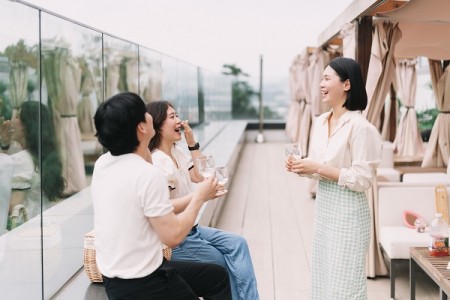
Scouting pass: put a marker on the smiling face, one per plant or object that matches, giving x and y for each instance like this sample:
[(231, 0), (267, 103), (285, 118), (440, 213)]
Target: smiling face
[(334, 91), (171, 127)]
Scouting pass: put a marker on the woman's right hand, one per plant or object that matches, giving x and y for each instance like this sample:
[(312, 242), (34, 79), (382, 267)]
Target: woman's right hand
[(6, 131)]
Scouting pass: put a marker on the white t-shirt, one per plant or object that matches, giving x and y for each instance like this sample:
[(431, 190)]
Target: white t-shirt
[(178, 177), (27, 179), (126, 192), (354, 146)]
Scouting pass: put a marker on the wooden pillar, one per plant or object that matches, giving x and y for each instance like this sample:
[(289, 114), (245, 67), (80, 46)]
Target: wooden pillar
[(393, 114), (363, 44)]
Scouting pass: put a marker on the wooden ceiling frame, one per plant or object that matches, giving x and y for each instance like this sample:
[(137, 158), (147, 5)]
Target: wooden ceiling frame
[(355, 11)]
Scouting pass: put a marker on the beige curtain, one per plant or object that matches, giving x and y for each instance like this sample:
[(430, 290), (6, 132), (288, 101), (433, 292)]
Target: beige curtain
[(18, 80), (408, 141), (348, 35), (132, 76), (379, 78), (63, 76), (303, 99), (317, 62), (438, 150), (381, 69), (112, 78), (294, 106), (89, 101), (375, 265)]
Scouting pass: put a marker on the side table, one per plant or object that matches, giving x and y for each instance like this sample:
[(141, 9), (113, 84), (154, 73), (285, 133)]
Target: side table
[(434, 266)]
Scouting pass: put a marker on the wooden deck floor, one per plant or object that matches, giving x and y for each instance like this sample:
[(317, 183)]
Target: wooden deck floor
[(274, 212)]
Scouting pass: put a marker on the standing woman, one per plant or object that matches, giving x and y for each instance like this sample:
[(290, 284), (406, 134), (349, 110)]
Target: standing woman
[(203, 244), (345, 152)]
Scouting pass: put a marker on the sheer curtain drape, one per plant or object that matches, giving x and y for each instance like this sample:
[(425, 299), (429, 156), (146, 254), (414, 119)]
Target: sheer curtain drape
[(381, 69), (408, 141), (294, 111), (304, 99), (438, 150), (63, 78)]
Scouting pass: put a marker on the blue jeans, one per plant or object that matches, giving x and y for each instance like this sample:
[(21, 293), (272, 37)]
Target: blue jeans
[(206, 244)]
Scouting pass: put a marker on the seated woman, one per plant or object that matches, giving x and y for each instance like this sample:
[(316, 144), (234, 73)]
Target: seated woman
[(32, 128), (204, 244)]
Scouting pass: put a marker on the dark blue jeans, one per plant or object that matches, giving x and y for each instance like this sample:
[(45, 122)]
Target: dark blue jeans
[(173, 280)]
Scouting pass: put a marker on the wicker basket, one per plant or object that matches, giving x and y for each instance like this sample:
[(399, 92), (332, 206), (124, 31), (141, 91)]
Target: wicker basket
[(90, 264)]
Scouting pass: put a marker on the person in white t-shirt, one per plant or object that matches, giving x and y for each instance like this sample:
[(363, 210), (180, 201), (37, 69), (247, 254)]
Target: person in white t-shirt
[(203, 244), (133, 215)]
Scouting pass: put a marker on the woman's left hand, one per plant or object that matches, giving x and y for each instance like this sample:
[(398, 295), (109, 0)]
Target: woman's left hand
[(188, 134), (301, 166)]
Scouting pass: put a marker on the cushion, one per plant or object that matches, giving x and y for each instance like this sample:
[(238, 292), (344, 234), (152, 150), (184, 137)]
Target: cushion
[(397, 241), (388, 174), (431, 177)]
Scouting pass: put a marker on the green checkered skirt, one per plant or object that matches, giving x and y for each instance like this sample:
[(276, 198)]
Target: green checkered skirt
[(340, 242)]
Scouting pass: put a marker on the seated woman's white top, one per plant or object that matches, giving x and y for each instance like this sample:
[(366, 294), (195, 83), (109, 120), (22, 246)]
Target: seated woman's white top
[(27, 179), (177, 175)]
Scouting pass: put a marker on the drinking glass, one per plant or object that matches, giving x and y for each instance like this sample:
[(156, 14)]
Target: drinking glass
[(222, 175), (293, 150), (205, 165)]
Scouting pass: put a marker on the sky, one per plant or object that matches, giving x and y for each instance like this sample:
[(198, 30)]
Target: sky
[(210, 33)]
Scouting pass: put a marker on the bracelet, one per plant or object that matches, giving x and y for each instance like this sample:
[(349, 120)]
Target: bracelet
[(195, 147)]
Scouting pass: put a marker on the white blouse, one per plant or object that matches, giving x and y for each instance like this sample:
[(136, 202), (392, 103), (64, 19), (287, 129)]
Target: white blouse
[(354, 146), (178, 177)]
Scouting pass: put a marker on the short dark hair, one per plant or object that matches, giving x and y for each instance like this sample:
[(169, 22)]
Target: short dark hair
[(116, 120), (347, 68), (158, 111)]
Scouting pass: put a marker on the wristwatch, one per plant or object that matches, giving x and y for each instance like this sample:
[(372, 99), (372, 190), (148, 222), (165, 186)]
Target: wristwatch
[(4, 147), (195, 147)]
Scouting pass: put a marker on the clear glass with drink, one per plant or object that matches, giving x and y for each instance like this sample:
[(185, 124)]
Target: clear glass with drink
[(205, 165), (294, 150), (222, 175)]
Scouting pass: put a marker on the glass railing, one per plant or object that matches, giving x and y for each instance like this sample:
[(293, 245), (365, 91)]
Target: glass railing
[(53, 74)]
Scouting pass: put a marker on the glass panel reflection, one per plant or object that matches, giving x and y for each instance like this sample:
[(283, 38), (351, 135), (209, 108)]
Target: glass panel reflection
[(217, 95), (182, 87), (20, 164), (121, 66), (150, 75), (72, 88), (192, 102), (47, 136), (169, 83)]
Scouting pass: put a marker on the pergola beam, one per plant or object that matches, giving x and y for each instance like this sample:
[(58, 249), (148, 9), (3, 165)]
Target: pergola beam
[(356, 9)]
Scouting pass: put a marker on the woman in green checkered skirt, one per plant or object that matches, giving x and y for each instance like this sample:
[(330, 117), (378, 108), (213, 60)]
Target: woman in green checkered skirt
[(344, 153)]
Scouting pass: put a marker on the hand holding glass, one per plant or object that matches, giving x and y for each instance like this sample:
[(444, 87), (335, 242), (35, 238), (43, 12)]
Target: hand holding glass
[(222, 175), (293, 150), (205, 165)]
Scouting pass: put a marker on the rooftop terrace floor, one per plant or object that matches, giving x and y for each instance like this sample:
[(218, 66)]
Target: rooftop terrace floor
[(273, 210)]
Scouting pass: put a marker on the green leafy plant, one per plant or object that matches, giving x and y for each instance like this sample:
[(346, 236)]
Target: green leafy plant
[(241, 93)]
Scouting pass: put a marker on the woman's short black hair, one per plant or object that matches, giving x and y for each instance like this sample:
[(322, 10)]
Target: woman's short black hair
[(116, 120), (158, 111), (347, 68)]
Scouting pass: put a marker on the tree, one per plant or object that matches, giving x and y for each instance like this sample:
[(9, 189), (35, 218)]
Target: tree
[(241, 93)]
